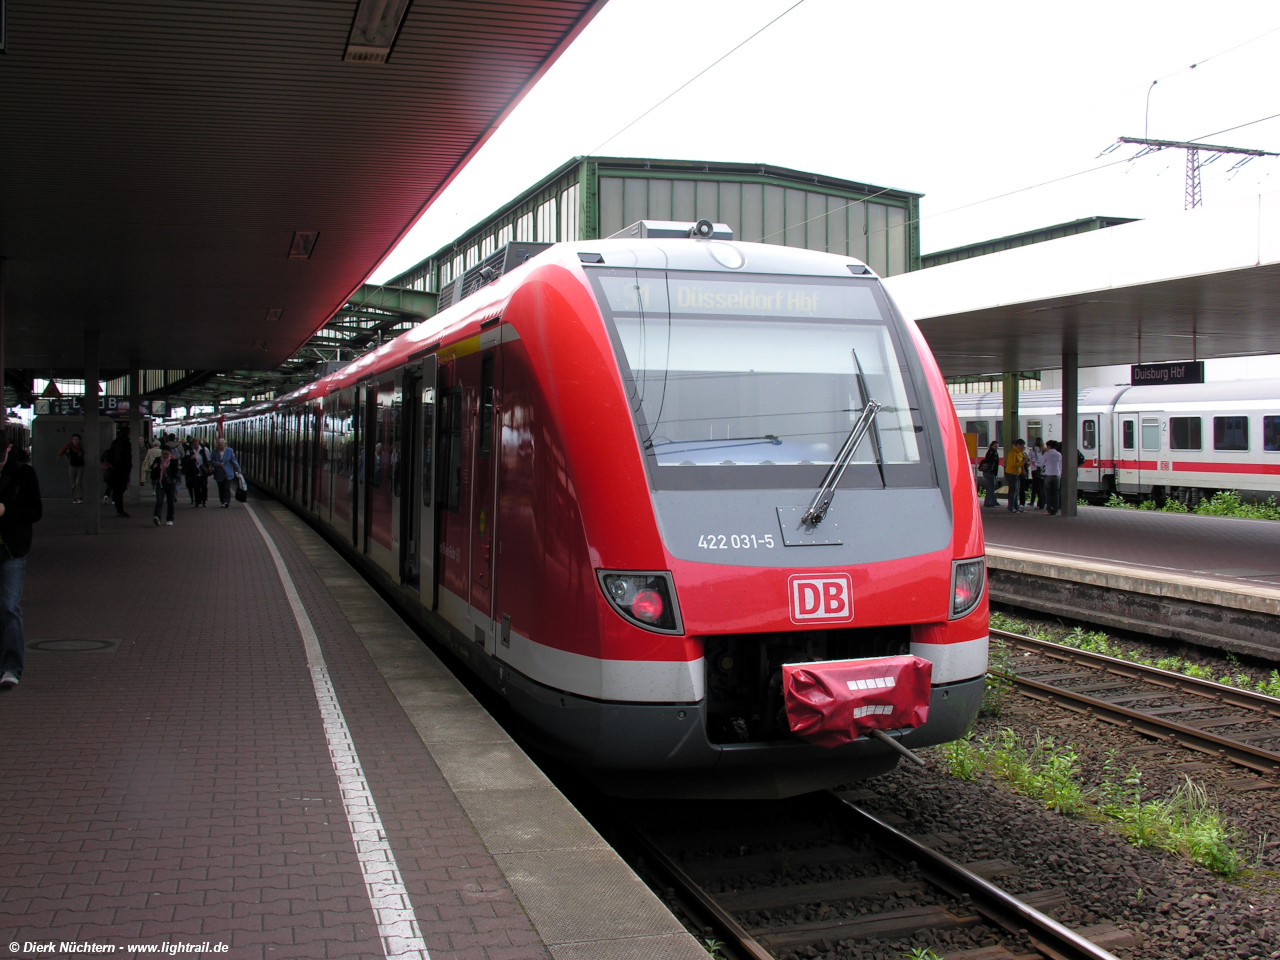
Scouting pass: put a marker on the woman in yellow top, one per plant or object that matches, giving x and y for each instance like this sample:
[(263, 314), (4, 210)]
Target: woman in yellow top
[(1015, 464)]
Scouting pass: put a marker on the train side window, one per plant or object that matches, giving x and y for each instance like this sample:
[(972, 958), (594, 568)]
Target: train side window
[(486, 406), (1231, 433), (980, 428), (1271, 434), (1035, 431), (1126, 434), (1089, 434), (449, 479), (1000, 433), (1150, 434), (1184, 433)]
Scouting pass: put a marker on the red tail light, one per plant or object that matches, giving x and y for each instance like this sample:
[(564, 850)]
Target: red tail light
[(645, 599), (647, 606)]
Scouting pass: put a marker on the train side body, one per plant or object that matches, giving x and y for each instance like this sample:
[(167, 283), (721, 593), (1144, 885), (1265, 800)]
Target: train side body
[(1187, 441), (508, 432)]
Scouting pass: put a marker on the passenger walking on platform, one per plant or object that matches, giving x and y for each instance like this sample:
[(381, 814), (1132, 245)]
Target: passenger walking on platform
[(20, 507), (121, 461), (1015, 462), (74, 452), (1052, 478), (226, 470), (164, 474), (989, 466), (151, 456), (190, 467), (204, 462)]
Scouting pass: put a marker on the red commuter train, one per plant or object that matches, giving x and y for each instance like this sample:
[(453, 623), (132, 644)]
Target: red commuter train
[(588, 473)]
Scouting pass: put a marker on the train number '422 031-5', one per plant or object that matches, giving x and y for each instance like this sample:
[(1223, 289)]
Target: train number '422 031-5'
[(735, 541)]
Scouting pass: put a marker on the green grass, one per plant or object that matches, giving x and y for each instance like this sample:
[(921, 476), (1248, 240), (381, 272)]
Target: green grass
[(1225, 503), (921, 953), (998, 687), (1095, 641), (1186, 823)]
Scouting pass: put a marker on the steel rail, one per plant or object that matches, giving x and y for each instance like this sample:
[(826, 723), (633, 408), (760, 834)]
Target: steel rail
[(721, 921), (1238, 752), (1049, 937), (1140, 671)]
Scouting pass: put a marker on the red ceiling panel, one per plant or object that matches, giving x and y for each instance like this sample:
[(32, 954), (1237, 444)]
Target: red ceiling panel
[(160, 155)]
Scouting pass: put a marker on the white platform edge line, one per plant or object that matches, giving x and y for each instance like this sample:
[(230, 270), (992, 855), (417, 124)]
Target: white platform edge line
[(398, 927)]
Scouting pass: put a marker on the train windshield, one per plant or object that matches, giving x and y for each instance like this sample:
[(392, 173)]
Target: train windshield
[(753, 381)]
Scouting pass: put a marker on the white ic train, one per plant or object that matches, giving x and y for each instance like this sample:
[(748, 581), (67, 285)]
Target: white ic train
[(1186, 441)]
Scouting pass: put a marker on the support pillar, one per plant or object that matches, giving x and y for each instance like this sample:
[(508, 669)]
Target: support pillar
[(1070, 419), (1009, 431), (92, 439), (135, 432)]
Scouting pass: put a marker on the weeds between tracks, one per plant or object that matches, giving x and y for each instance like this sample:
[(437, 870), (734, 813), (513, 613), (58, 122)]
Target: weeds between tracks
[(1186, 823)]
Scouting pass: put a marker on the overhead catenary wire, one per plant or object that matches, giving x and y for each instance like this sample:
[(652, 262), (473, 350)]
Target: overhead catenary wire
[(704, 70)]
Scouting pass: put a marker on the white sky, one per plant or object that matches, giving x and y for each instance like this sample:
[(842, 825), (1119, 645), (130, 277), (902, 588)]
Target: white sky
[(961, 102)]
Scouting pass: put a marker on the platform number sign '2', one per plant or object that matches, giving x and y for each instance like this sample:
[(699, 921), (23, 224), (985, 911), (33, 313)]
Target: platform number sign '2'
[(826, 599)]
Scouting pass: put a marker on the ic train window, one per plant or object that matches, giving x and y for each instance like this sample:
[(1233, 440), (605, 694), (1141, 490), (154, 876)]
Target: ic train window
[(1089, 434), (1126, 430), (1184, 433), (1150, 434), (1271, 434), (1231, 433), (980, 428)]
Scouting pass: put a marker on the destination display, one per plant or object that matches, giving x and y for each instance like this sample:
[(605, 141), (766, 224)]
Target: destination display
[(1161, 374)]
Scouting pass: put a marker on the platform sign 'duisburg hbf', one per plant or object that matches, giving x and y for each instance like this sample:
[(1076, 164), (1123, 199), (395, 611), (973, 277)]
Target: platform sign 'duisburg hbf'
[(1163, 374), (821, 599)]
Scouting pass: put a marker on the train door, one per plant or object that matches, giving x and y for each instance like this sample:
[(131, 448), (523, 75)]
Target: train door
[(1090, 475), (1149, 460), (484, 501), (413, 476), (382, 532), (427, 443), (345, 486), (366, 414), (1126, 452), (451, 529)]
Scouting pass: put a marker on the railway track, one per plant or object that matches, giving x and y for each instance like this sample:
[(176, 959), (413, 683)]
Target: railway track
[(782, 887), (1226, 722)]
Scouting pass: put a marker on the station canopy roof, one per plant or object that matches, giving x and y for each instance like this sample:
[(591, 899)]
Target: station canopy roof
[(1202, 284), (207, 182)]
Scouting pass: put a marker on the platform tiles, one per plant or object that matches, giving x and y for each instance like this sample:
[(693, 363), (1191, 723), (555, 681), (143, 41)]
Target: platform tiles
[(224, 736), (1213, 581)]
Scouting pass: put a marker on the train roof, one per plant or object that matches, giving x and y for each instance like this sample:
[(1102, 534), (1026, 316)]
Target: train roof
[(464, 317)]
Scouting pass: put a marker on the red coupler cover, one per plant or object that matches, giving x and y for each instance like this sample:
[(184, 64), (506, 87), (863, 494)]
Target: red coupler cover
[(837, 701)]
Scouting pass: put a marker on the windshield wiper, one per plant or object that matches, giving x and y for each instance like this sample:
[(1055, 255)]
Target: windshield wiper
[(867, 421)]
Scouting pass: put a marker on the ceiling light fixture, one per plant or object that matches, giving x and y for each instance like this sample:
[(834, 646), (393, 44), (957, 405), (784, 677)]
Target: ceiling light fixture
[(374, 30), (273, 315), (304, 241)]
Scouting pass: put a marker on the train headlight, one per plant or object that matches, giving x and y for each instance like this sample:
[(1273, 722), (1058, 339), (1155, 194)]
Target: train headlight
[(968, 579), (646, 599)]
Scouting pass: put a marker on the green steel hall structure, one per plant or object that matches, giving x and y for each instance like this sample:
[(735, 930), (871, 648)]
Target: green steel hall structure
[(592, 197)]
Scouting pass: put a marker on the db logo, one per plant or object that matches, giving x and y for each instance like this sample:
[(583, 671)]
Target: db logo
[(828, 598)]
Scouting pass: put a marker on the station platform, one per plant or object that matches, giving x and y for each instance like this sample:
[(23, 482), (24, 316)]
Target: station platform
[(225, 739), (1209, 581)]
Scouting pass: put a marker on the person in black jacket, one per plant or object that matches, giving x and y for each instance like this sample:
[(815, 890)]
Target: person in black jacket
[(165, 473), (120, 456), (20, 507)]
